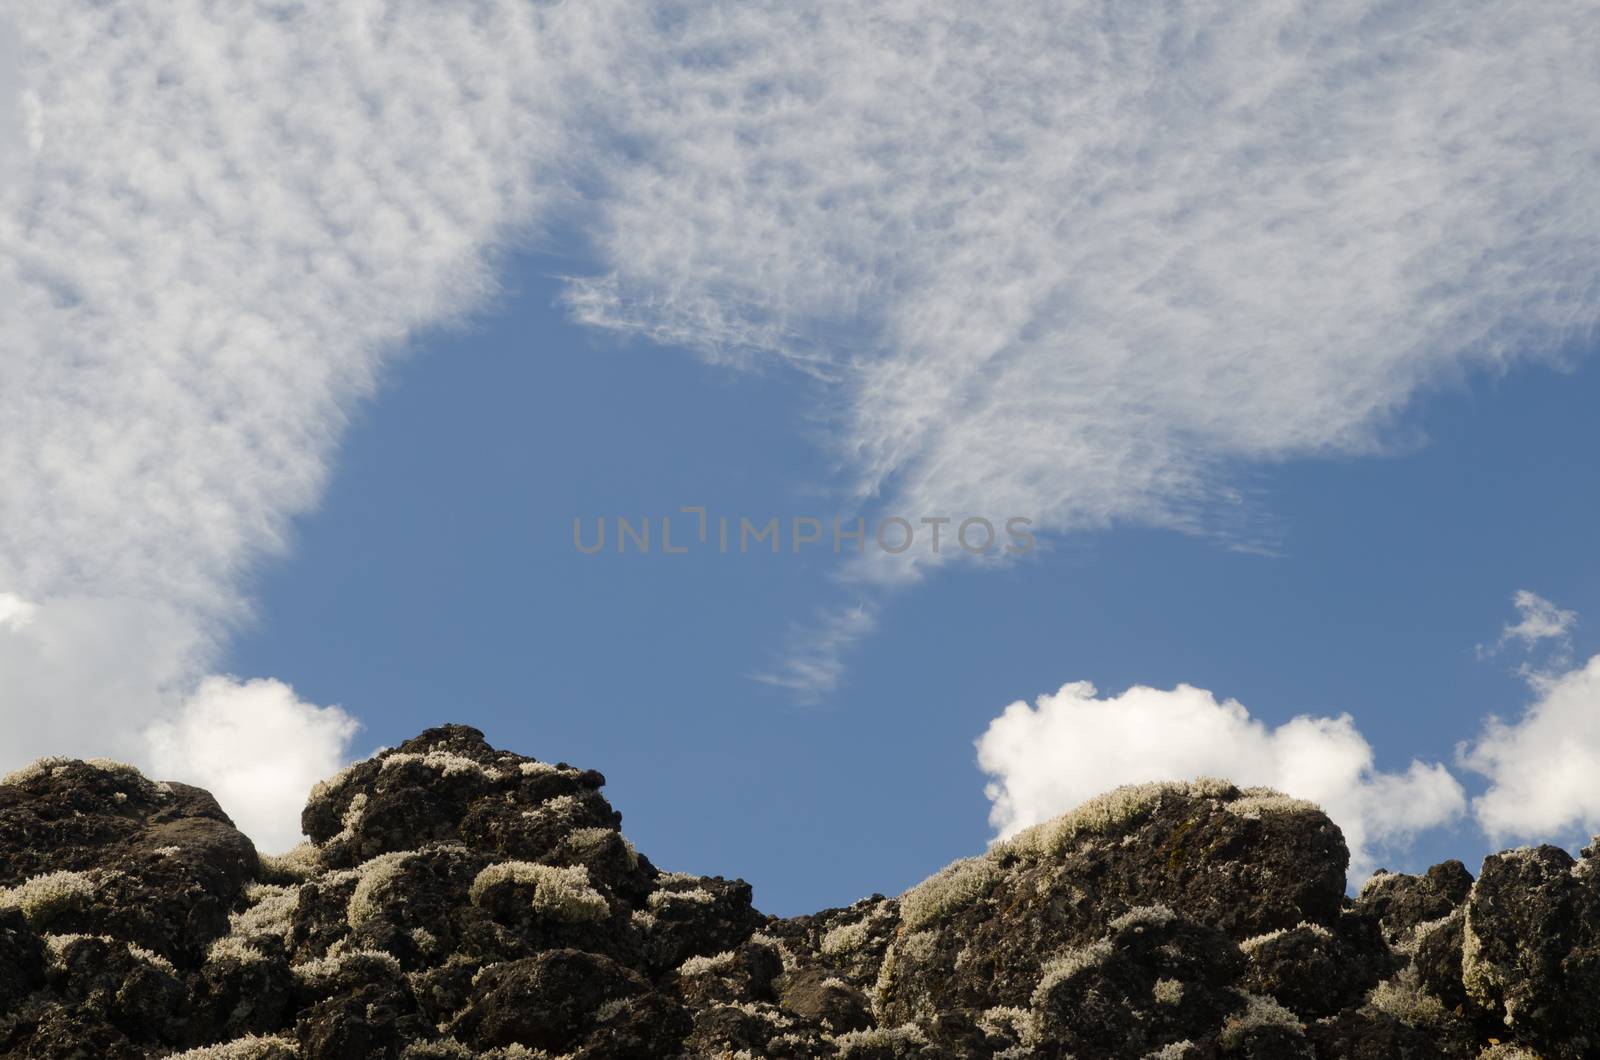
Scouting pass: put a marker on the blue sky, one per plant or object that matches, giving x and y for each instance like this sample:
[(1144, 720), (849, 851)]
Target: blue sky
[(439, 582), (323, 322)]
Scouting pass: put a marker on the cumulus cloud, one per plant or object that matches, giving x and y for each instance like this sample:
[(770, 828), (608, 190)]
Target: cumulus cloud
[(1542, 769), (1072, 745), (257, 748)]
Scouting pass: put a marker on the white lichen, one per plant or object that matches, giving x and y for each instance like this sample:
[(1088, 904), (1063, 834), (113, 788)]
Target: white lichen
[(698, 896), (1144, 916), (1255, 942), (1168, 992), (845, 938), (1008, 1022), (292, 866), (445, 763), (563, 893), (42, 897), (1067, 965), (373, 877), (39, 768), (1262, 802), (250, 1047), (320, 971), (952, 888), (908, 1038), (1403, 998), (1259, 1013), (1112, 813), (720, 964), (57, 946)]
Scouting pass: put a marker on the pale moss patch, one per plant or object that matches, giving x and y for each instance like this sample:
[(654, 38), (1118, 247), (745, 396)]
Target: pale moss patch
[(1112, 813), (1255, 942), (292, 866), (250, 1047), (543, 769), (44, 896), (36, 770), (908, 1037), (1168, 992), (351, 818), (565, 893), (320, 971), (698, 896), (1144, 916), (589, 842), (445, 763), (953, 887), (1263, 802), (58, 944), (845, 938), (1403, 998), (1008, 1021), (115, 768), (1173, 1051), (1067, 965), (721, 963), (1259, 1012), (373, 877), (322, 789), (270, 913)]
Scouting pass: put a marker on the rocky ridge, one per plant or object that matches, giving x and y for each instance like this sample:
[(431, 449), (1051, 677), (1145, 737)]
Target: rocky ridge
[(455, 900)]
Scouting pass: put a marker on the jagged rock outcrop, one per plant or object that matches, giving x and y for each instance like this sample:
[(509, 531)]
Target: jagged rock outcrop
[(455, 900)]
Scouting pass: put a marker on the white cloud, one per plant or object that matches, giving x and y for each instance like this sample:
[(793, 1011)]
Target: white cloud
[(15, 612), (1537, 620), (814, 659), (1072, 745), (225, 218), (1071, 261), (257, 748), (1544, 769), (1061, 261)]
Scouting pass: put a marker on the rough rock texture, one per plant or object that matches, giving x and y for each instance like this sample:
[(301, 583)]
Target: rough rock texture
[(460, 901)]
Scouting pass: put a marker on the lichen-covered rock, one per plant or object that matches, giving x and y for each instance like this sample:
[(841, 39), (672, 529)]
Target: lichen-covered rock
[(1531, 948), (976, 935), (96, 848), (1402, 902), (458, 901)]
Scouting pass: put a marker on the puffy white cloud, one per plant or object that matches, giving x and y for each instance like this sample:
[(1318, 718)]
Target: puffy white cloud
[(1048, 758), (1544, 769), (257, 748)]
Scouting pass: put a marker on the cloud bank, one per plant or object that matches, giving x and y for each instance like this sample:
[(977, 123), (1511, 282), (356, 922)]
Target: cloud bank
[(1067, 747)]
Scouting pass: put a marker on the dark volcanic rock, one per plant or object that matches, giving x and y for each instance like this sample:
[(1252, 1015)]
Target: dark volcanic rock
[(460, 901)]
